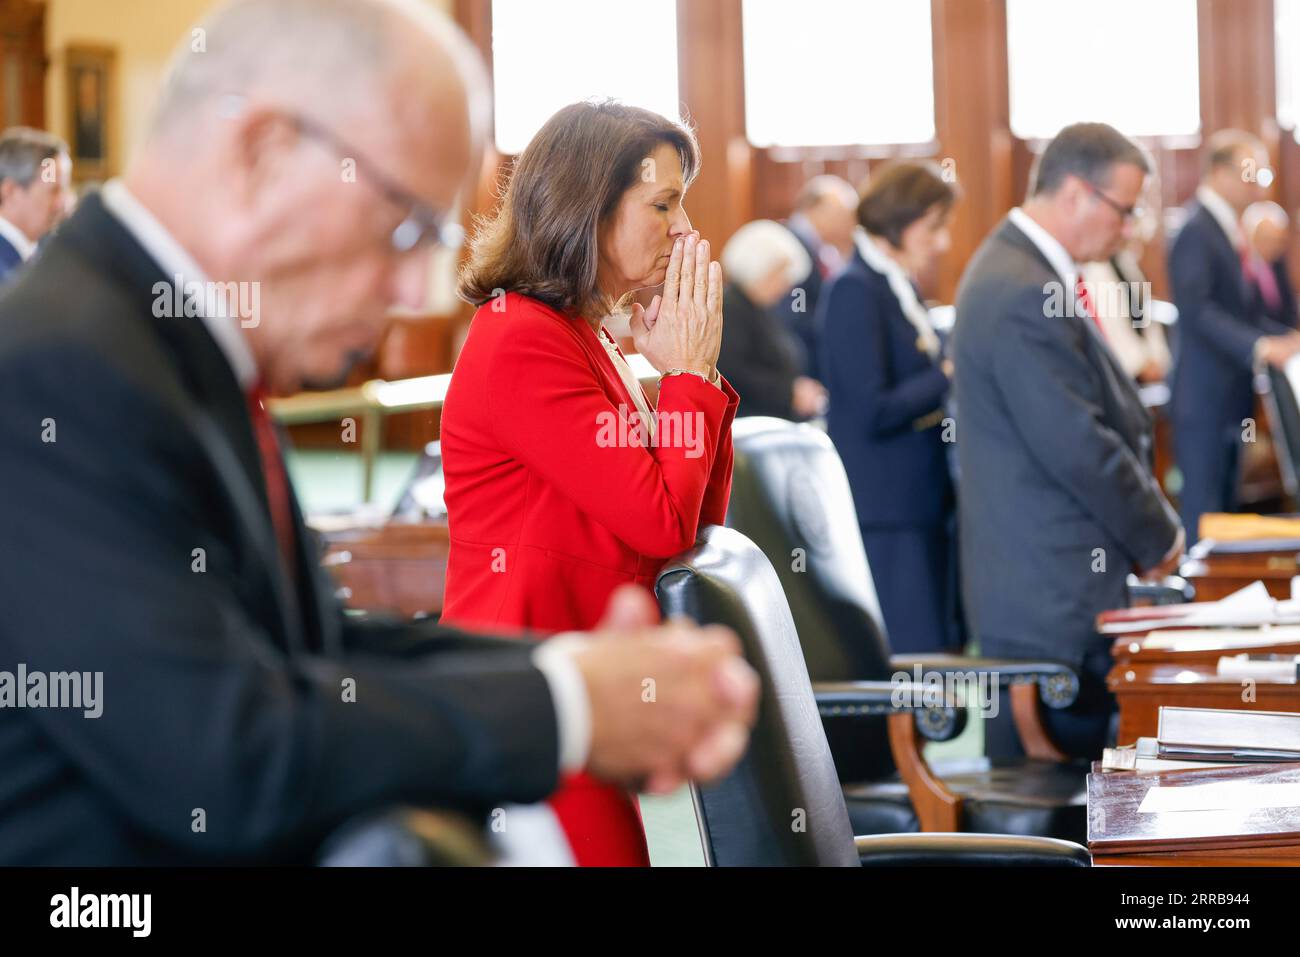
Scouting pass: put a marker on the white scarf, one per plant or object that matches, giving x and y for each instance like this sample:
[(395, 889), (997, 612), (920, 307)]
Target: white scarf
[(899, 283)]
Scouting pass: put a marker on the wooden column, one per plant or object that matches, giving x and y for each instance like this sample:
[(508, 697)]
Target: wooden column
[(972, 120), (712, 91)]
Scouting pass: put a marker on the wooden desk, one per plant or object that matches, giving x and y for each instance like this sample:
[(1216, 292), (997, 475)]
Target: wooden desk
[(1142, 688), (1216, 577), (397, 568), (1150, 648), (1119, 835)]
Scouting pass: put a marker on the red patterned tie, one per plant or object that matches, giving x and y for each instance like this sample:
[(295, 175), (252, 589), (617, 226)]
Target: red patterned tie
[(277, 479), (1085, 300)]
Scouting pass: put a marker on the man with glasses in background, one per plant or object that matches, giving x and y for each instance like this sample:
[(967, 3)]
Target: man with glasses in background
[(1058, 503), (1221, 336), (151, 533)]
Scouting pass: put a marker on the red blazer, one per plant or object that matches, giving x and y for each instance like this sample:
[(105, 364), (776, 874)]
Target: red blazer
[(552, 503)]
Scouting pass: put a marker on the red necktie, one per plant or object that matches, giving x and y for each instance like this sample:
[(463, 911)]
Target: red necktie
[(1085, 300), (1261, 274), (277, 479)]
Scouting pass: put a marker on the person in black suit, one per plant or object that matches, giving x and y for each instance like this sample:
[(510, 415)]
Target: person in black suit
[(759, 355), (887, 382), (35, 171), (1058, 504), (823, 221), (1220, 337), (152, 538), (1268, 233)]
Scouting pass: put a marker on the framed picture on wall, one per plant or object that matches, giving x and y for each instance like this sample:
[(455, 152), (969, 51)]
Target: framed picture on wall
[(91, 104)]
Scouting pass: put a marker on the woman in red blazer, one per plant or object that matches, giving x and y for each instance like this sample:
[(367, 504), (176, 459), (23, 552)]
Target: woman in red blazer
[(562, 480)]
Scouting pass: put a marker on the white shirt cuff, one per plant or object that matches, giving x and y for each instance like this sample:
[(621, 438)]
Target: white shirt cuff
[(553, 658)]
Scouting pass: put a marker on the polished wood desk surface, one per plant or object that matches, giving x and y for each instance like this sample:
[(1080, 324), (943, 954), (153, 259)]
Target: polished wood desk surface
[(1119, 835), (1142, 688), (1218, 569), (399, 568), (1218, 578)]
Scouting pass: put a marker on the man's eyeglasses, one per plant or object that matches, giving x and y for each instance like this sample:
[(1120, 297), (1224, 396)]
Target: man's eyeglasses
[(1125, 212), (422, 226)]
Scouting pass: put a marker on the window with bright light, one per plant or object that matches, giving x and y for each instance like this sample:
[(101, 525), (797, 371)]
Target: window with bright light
[(548, 55), (829, 73), (1286, 15), (1131, 64)]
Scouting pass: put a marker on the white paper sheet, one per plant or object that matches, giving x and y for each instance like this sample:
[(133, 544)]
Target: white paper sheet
[(1222, 796)]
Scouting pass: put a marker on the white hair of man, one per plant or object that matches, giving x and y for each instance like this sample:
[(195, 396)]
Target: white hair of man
[(758, 248), (1261, 212), (329, 58)]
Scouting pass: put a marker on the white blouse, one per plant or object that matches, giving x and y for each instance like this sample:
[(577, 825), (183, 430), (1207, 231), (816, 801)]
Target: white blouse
[(639, 398)]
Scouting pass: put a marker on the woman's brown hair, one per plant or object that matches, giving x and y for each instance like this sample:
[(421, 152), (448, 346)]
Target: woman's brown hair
[(566, 183), (900, 194)]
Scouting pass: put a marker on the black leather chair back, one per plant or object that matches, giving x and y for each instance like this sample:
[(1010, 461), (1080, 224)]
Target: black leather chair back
[(782, 805), (1284, 410), (791, 496)]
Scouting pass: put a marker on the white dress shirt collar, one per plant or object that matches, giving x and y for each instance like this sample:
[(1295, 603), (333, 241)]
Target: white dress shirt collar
[(1047, 244), (1221, 212), (181, 268), (17, 239)]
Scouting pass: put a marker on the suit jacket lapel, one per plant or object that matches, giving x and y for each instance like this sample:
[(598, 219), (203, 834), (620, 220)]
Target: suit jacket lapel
[(1137, 426), (195, 379), (1226, 251)]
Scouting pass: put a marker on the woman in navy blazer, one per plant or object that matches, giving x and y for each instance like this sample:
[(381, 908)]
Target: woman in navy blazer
[(887, 383)]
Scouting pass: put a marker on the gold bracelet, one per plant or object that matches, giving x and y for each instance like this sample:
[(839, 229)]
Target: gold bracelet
[(702, 375)]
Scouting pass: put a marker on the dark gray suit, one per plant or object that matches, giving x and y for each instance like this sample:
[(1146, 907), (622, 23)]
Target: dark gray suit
[(1058, 500)]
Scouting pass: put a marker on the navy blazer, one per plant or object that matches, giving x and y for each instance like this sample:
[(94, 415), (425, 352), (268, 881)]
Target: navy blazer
[(10, 259), (1285, 310), (886, 402), (1217, 326)]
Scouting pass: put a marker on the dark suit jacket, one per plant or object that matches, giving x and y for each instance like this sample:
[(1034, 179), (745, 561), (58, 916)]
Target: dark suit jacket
[(126, 447), (1054, 446), (886, 402), (758, 356), (10, 259), (798, 310), (1284, 312), (1217, 327)]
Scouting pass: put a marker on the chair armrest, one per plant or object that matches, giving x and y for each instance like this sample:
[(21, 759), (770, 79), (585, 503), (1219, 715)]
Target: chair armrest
[(1173, 590), (405, 837), (1058, 683), (938, 715), (968, 850)]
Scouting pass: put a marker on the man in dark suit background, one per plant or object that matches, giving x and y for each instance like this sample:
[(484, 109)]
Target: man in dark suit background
[(823, 221), (151, 535), (1221, 336), (35, 171), (1268, 234), (1058, 504)]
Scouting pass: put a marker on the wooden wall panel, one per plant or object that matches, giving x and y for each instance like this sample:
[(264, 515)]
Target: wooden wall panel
[(739, 182), (973, 123)]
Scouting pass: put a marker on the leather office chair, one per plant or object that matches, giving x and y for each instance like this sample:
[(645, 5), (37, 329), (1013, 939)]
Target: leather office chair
[(791, 496), (406, 837), (1284, 426), (782, 804)]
